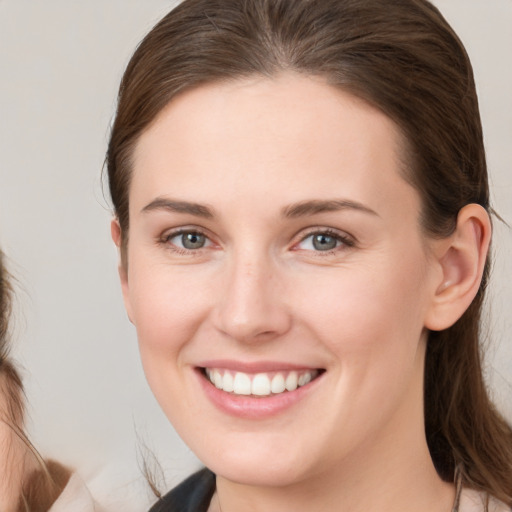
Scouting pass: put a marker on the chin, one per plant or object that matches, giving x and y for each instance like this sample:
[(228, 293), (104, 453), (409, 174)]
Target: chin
[(258, 474), (257, 464)]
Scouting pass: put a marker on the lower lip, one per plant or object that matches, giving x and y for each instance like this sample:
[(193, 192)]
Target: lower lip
[(251, 407)]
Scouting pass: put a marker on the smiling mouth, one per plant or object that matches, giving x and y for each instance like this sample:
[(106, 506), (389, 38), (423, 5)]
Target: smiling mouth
[(259, 384)]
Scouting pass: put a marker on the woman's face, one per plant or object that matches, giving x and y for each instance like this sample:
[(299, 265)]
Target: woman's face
[(275, 249)]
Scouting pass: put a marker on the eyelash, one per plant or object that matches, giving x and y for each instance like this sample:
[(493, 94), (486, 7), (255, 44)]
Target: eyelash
[(345, 241), (167, 237)]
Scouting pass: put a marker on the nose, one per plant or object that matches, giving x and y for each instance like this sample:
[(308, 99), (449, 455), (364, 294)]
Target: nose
[(252, 306)]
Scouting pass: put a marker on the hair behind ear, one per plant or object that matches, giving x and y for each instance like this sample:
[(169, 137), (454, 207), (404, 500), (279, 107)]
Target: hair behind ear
[(463, 427)]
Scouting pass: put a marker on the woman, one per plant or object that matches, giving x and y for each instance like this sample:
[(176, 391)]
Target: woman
[(302, 211), (27, 482)]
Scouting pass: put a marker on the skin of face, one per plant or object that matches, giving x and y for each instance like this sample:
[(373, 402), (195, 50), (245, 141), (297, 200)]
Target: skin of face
[(267, 164)]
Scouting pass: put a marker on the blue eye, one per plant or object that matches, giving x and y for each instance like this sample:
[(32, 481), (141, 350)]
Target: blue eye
[(189, 240), (323, 241)]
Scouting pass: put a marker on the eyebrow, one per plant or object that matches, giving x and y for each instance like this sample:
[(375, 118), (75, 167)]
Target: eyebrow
[(305, 208), (171, 205), (301, 209)]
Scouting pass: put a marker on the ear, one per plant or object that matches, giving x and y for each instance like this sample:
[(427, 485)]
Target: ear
[(461, 259), (116, 233)]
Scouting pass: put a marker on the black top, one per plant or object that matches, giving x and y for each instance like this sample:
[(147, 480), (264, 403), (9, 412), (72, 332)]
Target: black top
[(192, 495)]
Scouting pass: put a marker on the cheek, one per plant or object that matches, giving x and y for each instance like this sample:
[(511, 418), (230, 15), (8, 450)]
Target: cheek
[(371, 319), (367, 300), (371, 323), (168, 308)]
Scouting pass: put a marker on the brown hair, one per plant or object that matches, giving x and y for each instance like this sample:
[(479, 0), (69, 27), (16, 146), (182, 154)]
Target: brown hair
[(402, 57), (39, 482)]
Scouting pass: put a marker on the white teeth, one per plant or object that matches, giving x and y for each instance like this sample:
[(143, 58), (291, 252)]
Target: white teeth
[(305, 378), (227, 382), (242, 384), (261, 384), (217, 379), (291, 382), (278, 385)]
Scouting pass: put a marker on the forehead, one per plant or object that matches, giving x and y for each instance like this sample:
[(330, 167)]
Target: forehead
[(290, 136)]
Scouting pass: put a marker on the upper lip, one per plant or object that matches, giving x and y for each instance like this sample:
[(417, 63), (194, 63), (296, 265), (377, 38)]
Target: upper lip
[(255, 366)]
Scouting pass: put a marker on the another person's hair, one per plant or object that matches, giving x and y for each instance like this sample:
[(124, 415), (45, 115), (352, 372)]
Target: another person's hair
[(40, 482), (400, 56)]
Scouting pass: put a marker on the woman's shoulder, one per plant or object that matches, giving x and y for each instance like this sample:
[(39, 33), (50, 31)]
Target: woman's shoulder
[(475, 501), (192, 495)]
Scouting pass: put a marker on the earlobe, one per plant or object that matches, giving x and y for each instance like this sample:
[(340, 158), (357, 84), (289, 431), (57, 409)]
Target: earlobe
[(461, 258), (115, 231), (123, 277)]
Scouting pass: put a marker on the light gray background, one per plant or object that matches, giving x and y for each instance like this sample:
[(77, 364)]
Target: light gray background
[(60, 64)]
